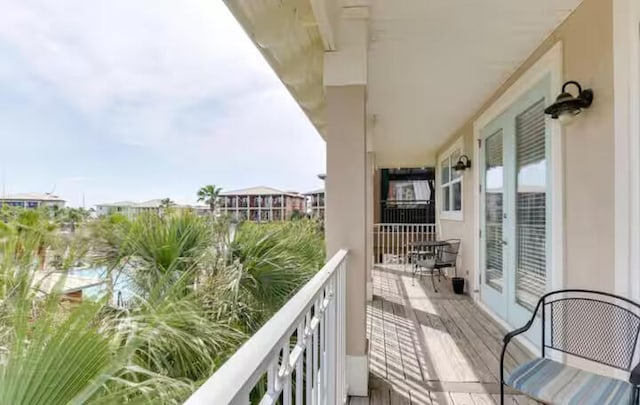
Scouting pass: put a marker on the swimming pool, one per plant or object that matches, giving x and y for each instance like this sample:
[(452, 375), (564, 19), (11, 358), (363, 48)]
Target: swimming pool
[(121, 285)]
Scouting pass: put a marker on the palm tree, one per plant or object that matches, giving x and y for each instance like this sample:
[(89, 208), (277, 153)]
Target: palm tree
[(174, 336), (268, 263), (209, 194), (36, 224), (166, 203), (165, 249), (153, 353), (297, 215), (72, 217)]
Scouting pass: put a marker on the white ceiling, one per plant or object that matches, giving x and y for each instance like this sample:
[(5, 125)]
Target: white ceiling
[(432, 63)]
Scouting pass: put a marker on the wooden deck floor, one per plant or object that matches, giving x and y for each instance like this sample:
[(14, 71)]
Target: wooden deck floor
[(432, 348)]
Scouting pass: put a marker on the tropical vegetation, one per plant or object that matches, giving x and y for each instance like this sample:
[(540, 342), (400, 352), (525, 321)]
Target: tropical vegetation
[(209, 194), (167, 203), (199, 287)]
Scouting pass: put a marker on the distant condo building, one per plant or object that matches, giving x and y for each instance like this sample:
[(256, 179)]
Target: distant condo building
[(315, 204), (32, 200), (261, 204), (131, 209)]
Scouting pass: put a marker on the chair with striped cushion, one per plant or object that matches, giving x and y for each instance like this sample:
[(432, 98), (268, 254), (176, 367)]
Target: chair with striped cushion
[(599, 328)]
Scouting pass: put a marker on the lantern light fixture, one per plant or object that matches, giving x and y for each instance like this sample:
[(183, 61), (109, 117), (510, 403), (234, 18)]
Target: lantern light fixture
[(463, 164), (567, 106)]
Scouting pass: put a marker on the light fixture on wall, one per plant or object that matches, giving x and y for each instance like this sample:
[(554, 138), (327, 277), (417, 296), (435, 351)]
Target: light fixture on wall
[(567, 106), (463, 163)]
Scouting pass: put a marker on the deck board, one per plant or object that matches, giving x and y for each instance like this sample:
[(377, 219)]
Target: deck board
[(432, 348)]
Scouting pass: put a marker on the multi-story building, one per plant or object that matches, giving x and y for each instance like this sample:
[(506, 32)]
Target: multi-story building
[(32, 200), (261, 204), (315, 203), (405, 196), (120, 207), (130, 209)]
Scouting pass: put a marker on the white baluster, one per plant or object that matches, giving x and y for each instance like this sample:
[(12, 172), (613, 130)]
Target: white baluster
[(384, 242), (331, 372), (315, 384), (309, 353), (300, 341), (341, 333), (272, 379), (285, 372), (322, 390), (405, 244), (378, 245)]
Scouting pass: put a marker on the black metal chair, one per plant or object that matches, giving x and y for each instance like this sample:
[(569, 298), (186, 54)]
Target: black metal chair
[(444, 257), (599, 327), (417, 254)]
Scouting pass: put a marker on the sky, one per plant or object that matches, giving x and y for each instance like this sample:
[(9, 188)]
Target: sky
[(140, 99)]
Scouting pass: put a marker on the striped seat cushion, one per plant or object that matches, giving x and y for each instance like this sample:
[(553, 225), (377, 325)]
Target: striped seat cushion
[(556, 383)]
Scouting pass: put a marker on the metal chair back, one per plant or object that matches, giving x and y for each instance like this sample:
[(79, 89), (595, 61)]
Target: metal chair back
[(448, 253), (592, 325)]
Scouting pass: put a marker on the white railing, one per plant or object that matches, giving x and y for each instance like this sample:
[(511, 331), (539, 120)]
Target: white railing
[(392, 242), (298, 356)]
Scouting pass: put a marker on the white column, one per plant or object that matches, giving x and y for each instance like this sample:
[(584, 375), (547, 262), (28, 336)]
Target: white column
[(346, 225), (626, 54), (370, 196), (346, 207)]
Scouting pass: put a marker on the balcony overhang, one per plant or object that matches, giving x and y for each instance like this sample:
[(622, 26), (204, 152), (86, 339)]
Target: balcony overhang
[(433, 65), (292, 40), (429, 66)]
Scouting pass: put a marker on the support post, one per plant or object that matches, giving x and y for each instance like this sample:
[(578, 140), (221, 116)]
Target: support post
[(346, 185), (346, 223)]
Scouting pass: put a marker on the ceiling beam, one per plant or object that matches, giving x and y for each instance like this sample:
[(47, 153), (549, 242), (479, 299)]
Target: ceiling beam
[(325, 13)]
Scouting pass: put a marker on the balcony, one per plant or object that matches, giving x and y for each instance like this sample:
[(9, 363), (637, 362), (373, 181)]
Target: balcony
[(424, 348), (407, 212), (432, 348)]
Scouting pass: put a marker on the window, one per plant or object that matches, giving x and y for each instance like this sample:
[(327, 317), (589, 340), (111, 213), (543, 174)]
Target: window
[(451, 186)]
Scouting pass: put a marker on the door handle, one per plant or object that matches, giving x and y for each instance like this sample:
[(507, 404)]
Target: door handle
[(504, 242)]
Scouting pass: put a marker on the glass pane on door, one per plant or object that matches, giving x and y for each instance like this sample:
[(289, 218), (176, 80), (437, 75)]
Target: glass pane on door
[(494, 197), (531, 210), (456, 190)]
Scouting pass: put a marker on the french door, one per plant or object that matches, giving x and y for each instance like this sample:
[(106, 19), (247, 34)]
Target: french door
[(515, 207)]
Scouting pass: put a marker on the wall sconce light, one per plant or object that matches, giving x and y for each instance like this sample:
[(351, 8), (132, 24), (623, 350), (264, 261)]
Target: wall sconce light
[(463, 164), (567, 106)]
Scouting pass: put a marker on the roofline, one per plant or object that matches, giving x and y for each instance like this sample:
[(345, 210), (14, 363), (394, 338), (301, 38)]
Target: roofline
[(32, 199), (139, 205), (319, 191), (235, 194)]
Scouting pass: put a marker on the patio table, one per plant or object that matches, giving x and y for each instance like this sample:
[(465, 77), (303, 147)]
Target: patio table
[(428, 243), (424, 249)]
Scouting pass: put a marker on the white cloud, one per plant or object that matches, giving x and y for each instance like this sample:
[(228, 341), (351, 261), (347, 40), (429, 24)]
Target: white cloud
[(174, 75), (99, 51)]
